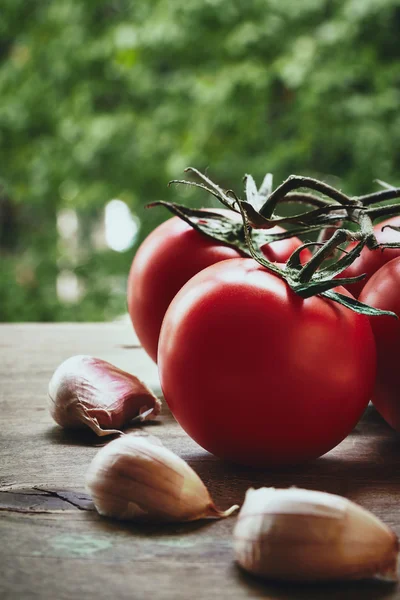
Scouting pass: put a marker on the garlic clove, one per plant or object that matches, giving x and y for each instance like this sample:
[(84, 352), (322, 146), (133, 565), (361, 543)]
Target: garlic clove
[(88, 391), (136, 478), (303, 535)]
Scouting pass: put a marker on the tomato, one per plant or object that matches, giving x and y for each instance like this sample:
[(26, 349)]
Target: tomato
[(256, 374), (370, 261), (167, 259), (383, 291)]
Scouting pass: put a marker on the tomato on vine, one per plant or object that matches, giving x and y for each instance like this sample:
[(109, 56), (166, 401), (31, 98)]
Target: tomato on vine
[(371, 261), (383, 291), (168, 258), (258, 375)]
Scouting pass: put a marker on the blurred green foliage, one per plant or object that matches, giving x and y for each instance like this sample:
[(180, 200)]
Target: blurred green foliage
[(105, 99)]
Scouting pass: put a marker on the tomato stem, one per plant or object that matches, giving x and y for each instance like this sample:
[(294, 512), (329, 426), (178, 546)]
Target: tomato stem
[(382, 195), (295, 182), (328, 215)]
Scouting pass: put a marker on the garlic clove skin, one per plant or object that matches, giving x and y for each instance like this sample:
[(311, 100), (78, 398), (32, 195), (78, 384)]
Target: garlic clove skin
[(303, 535), (88, 391), (136, 478)]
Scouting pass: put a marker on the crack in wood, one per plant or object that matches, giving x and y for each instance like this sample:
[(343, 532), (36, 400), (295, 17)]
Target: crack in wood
[(65, 498), (18, 492), (29, 511), (37, 500)]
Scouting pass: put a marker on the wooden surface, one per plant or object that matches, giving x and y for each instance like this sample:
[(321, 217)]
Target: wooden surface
[(54, 545)]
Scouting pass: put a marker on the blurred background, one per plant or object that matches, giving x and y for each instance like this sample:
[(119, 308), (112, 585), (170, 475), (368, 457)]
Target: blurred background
[(102, 102)]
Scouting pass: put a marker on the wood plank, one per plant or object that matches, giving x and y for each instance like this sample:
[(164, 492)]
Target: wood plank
[(54, 545)]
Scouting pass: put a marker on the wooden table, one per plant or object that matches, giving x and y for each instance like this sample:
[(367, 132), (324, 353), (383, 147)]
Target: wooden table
[(53, 543)]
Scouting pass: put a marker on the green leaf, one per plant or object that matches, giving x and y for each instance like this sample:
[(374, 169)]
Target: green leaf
[(386, 186), (212, 224), (252, 195), (266, 187), (356, 305), (315, 286)]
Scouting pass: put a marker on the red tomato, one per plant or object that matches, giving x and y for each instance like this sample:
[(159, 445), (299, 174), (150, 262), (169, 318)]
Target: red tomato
[(166, 260), (370, 261), (256, 374), (383, 291)]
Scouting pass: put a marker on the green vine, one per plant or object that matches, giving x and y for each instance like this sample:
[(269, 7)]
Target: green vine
[(326, 210)]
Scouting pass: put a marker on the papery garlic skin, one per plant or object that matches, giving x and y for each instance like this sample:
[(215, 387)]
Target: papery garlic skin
[(137, 478), (303, 535), (88, 391)]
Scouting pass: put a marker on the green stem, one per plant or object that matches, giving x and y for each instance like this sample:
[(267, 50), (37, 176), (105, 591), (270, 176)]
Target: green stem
[(294, 259), (303, 198), (248, 237), (367, 229), (339, 237), (256, 252), (380, 196), (294, 182), (221, 198), (210, 183), (388, 245), (391, 210)]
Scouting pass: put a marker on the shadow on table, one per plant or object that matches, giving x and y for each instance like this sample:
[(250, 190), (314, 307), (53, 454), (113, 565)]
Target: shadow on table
[(367, 460), (366, 589), (87, 437), (330, 474), (148, 529)]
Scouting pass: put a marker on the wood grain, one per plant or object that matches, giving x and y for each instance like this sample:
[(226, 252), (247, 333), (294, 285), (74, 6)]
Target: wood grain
[(54, 545)]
